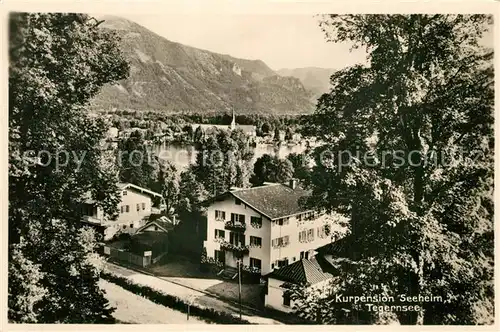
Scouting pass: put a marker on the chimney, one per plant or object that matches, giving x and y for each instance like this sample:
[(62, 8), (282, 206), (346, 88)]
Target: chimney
[(293, 183)]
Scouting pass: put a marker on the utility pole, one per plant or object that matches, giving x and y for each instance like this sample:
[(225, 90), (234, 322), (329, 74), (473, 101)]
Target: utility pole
[(239, 283)]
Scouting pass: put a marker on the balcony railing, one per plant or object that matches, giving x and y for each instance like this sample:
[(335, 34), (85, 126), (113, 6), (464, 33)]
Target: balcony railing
[(235, 226), (92, 220), (238, 249)]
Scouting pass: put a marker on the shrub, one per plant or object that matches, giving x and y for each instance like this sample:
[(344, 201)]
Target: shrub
[(173, 302)]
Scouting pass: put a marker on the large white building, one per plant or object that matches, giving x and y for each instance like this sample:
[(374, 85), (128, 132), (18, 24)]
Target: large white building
[(135, 206), (264, 226)]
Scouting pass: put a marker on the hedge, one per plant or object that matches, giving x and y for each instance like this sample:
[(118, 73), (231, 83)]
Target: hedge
[(173, 302)]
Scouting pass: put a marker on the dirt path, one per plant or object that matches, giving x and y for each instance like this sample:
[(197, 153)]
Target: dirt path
[(134, 309)]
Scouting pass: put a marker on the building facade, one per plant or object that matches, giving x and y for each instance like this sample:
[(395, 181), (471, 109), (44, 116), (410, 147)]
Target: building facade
[(306, 272), (265, 227), (135, 206)]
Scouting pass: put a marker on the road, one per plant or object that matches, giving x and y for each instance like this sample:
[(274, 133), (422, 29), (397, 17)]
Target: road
[(188, 294)]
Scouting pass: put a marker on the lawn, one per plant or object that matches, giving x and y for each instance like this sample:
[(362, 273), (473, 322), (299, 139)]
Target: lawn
[(183, 271), (134, 309), (179, 266)]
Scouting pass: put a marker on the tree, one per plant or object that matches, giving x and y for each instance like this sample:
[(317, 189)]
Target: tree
[(271, 169), (409, 158), (136, 162), (221, 161), (288, 134), (168, 185), (266, 128), (301, 166), (277, 136), (191, 192), (58, 63), (198, 135), (188, 131)]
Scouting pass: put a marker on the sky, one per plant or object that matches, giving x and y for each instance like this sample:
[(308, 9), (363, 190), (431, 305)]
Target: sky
[(281, 41)]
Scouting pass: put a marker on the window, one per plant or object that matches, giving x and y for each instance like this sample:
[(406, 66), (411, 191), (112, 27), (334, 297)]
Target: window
[(237, 239), (238, 218), (255, 241), (254, 262), (256, 222), (283, 262), (310, 235), (322, 231), (144, 206), (301, 255), (302, 236), (283, 221), (219, 234), (310, 215), (131, 225), (220, 215), (122, 208), (307, 255), (286, 299), (281, 242), (237, 201), (138, 207), (124, 193), (299, 217), (294, 259), (272, 266), (127, 208), (124, 226)]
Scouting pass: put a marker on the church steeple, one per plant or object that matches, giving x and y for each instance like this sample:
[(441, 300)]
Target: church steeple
[(233, 123)]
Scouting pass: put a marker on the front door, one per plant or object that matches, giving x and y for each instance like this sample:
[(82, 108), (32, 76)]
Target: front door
[(220, 256)]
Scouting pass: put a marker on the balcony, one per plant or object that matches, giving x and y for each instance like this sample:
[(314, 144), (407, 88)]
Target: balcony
[(237, 249), (235, 226), (92, 220)]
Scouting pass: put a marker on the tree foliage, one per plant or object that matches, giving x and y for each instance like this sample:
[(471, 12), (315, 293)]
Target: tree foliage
[(136, 162), (301, 165), (271, 169), (168, 185), (58, 62), (222, 161), (409, 158)]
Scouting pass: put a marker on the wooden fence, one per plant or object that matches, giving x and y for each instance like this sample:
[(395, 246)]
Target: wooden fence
[(129, 257)]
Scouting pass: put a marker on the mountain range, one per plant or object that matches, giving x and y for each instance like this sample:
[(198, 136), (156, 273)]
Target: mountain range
[(315, 79), (172, 77)]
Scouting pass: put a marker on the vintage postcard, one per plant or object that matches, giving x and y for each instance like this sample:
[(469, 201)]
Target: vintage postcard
[(267, 163)]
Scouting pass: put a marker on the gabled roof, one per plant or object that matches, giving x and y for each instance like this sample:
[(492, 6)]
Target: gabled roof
[(87, 197), (164, 225), (273, 200), (339, 248), (123, 186), (304, 271)]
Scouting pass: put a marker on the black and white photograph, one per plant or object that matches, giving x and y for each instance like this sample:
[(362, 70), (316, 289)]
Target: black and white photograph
[(298, 168)]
